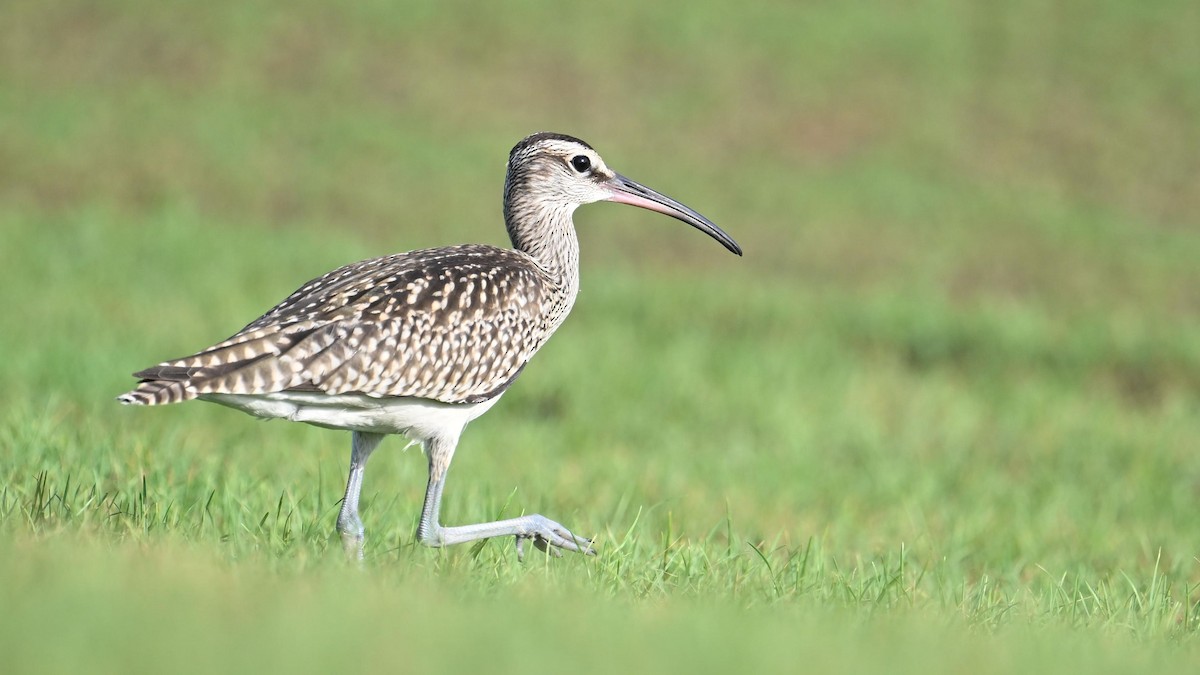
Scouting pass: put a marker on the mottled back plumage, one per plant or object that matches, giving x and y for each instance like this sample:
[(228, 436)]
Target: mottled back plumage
[(454, 324)]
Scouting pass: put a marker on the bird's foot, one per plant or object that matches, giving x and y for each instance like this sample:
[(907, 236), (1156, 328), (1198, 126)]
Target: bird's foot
[(550, 537)]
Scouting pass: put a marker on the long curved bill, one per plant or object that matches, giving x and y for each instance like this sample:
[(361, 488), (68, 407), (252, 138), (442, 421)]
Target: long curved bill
[(626, 191)]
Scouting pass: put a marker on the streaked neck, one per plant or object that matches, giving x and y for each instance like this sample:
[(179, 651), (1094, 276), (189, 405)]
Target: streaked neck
[(547, 234)]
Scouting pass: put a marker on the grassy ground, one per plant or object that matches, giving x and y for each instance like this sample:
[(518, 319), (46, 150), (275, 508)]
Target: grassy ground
[(944, 415)]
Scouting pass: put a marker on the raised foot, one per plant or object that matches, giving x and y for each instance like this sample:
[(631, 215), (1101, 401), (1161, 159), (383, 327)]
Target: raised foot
[(549, 537)]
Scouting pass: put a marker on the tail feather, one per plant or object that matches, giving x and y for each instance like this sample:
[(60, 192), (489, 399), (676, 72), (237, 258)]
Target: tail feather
[(159, 392), (246, 364), (173, 384), (305, 358)]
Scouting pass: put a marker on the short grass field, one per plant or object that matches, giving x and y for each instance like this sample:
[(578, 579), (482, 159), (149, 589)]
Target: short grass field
[(943, 417)]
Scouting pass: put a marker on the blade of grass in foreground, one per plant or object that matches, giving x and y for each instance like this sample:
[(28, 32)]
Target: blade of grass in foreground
[(71, 607)]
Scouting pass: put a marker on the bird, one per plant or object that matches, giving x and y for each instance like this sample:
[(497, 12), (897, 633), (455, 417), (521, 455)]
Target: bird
[(419, 344)]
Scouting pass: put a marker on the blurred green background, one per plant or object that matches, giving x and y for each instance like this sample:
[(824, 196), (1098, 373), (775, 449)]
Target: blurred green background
[(946, 406)]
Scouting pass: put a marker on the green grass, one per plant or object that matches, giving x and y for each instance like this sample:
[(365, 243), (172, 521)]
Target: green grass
[(943, 416)]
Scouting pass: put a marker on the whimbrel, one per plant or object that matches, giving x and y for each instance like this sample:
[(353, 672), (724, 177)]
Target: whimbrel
[(421, 343)]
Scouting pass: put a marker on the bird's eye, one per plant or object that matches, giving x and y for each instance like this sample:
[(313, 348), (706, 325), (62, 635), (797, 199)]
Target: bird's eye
[(581, 163)]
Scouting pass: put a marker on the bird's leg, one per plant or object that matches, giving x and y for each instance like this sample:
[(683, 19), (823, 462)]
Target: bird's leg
[(348, 523), (545, 533)]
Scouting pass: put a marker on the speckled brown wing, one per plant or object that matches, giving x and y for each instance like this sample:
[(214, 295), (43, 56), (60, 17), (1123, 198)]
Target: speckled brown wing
[(450, 324)]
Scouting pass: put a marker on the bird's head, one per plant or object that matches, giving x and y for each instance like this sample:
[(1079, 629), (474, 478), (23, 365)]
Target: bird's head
[(548, 171)]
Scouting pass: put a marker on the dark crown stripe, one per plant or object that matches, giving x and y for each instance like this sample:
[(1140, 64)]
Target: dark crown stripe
[(534, 139)]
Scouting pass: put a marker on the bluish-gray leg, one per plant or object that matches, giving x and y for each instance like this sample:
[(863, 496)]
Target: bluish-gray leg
[(545, 533), (348, 523)]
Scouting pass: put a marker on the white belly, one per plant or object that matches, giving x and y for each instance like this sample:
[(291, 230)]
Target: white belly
[(417, 418)]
